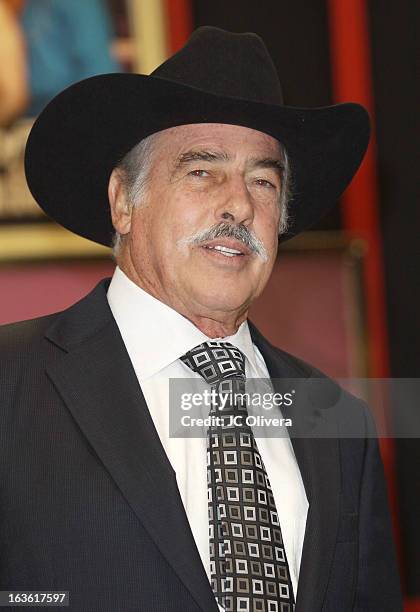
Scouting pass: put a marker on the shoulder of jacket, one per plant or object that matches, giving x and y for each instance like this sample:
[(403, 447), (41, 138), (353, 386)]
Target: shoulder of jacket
[(326, 393), (18, 337), (301, 366)]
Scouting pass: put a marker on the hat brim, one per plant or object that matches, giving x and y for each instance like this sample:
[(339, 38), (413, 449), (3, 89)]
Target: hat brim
[(84, 132)]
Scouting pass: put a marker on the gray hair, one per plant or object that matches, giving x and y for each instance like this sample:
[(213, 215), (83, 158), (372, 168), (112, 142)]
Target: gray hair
[(134, 171), (286, 193)]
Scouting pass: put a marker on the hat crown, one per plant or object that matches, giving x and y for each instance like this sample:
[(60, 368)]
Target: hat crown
[(225, 64)]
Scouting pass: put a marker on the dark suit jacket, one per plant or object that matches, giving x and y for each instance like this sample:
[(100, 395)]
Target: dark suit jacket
[(89, 501)]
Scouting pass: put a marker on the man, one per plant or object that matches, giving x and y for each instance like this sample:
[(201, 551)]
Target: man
[(98, 498)]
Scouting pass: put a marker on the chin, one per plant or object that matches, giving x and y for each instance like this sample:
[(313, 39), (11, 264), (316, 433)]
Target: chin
[(221, 300)]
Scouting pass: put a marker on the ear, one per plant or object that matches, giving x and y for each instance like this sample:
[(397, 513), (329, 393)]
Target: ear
[(120, 207)]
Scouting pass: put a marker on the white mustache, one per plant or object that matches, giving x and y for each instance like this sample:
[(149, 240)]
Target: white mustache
[(227, 230)]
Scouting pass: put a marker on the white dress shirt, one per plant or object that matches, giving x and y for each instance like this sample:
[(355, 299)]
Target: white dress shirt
[(156, 336)]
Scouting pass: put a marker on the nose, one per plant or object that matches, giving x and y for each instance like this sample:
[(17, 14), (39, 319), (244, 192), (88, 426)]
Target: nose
[(235, 202)]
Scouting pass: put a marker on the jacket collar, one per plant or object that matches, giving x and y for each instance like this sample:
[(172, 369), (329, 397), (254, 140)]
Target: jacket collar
[(95, 378)]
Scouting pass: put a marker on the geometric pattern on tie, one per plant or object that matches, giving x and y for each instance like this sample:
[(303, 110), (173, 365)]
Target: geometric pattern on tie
[(248, 564)]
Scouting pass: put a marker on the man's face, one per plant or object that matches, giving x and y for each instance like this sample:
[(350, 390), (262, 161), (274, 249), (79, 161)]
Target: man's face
[(203, 176)]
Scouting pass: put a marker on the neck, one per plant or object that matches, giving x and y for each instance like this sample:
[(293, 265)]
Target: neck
[(217, 324), (214, 328)]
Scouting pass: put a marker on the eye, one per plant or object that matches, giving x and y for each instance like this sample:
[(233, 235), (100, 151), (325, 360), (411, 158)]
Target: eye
[(199, 173), (265, 183)]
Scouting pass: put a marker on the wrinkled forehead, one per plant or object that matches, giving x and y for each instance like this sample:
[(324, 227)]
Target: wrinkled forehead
[(231, 139)]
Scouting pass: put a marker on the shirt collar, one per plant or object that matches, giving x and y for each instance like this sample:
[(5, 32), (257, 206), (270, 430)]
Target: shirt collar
[(155, 334)]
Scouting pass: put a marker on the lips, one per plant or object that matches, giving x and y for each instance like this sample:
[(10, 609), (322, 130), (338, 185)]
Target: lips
[(228, 248), (224, 250)]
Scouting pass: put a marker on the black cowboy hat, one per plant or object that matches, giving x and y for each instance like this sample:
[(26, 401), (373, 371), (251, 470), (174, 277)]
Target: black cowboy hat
[(217, 77)]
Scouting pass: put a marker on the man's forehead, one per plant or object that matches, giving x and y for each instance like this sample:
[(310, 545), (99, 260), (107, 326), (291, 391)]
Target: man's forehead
[(217, 136)]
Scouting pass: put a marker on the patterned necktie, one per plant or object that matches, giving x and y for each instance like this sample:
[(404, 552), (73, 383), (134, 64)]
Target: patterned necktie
[(248, 565)]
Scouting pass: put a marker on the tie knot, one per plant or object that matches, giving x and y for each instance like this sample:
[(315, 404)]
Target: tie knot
[(216, 361)]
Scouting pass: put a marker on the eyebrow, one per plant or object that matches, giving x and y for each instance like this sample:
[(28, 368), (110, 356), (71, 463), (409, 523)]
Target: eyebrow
[(200, 155), (211, 156), (268, 162)]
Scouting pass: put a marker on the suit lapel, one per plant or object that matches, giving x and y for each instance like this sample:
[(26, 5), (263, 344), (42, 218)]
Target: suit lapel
[(96, 380), (319, 464)]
